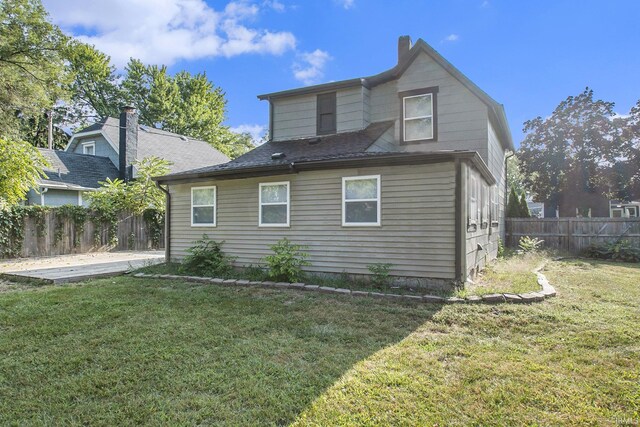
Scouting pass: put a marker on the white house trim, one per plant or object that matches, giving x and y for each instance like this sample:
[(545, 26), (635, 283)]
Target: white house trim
[(378, 201), (214, 206), (260, 204)]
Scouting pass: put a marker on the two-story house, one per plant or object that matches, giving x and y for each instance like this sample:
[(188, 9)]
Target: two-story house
[(404, 167), (109, 149)]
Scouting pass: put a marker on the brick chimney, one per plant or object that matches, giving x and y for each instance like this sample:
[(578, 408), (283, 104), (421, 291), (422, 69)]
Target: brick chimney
[(128, 144), (404, 44)]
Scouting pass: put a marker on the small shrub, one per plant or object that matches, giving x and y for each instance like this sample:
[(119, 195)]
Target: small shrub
[(529, 244), (501, 250), (380, 272), (287, 261), (207, 258), (254, 273), (617, 251)]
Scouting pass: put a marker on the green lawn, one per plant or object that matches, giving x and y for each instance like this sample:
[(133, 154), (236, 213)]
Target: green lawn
[(131, 351)]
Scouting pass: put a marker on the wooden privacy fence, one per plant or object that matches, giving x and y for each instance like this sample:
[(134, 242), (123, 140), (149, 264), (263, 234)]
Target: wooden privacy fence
[(573, 235), (51, 237)]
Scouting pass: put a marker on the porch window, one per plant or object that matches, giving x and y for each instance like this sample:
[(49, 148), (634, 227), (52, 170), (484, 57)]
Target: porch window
[(203, 206), (361, 201), (274, 204)]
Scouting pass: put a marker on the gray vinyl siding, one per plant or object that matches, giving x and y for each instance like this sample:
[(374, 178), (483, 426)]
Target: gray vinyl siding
[(60, 197), (33, 198), (462, 117), (384, 144), (417, 211), (350, 111), (103, 148), (295, 117)]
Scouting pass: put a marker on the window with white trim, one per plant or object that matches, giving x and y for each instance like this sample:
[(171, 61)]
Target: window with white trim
[(473, 201), (274, 204), (361, 201), (485, 205), (495, 206), (203, 206), (89, 148), (418, 117)]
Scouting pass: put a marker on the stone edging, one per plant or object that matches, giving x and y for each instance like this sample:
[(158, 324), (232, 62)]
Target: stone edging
[(546, 292)]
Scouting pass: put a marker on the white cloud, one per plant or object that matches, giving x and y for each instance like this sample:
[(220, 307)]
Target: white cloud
[(165, 31), (256, 131), (485, 3), (451, 38), (275, 5), (347, 4), (309, 69)]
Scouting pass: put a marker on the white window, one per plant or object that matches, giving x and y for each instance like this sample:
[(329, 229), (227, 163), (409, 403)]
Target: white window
[(89, 148), (495, 207), (274, 204), (485, 205), (418, 117), (361, 201), (203, 206), (473, 201)]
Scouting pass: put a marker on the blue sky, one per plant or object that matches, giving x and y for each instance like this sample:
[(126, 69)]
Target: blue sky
[(528, 55)]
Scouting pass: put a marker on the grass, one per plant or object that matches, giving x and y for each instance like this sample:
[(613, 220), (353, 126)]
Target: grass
[(125, 352), (513, 275)]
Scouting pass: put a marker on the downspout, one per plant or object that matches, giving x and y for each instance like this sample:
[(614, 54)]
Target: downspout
[(167, 223)]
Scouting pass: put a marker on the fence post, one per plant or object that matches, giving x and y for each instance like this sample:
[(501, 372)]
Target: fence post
[(569, 234)]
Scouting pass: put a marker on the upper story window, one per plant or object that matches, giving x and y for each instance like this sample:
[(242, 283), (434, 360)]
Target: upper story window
[(274, 204), (89, 148), (419, 118), (326, 110)]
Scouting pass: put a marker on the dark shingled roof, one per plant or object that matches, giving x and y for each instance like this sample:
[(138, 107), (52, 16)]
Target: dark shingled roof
[(336, 146), (76, 171), (185, 155)]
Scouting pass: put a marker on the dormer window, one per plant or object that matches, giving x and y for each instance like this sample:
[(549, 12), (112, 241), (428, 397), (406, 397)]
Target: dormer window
[(419, 120), (89, 148), (326, 110)]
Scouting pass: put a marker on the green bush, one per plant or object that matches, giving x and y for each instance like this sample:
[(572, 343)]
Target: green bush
[(206, 258), (501, 249), (617, 251), (529, 244), (287, 261), (380, 272)]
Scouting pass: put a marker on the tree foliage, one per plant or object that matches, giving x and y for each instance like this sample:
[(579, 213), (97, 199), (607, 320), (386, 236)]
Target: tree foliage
[(580, 138), (515, 176), (184, 103), (137, 195), (21, 166), (32, 70)]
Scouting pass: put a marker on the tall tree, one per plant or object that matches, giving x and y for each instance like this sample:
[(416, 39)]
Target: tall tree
[(515, 176), (21, 166), (32, 70), (580, 136), (95, 89)]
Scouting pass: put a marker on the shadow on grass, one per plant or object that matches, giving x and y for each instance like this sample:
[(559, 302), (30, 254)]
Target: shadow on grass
[(124, 352)]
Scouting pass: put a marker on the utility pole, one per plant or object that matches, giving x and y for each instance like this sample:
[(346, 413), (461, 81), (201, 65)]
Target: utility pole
[(50, 129)]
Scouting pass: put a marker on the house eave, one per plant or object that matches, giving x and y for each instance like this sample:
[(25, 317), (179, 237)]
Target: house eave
[(392, 159)]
